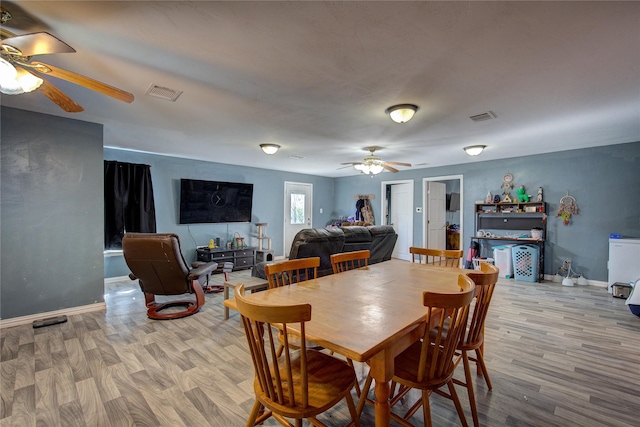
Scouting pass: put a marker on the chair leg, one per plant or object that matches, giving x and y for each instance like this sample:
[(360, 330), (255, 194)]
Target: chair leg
[(255, 411), (352, 409), (426, 408), (197, 289), (469, 386), (456, 401), (363, 395), (350, 362), (480, 360)]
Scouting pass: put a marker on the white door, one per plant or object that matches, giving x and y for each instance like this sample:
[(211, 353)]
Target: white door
[(436, 198), (298, 204), (401, 216)]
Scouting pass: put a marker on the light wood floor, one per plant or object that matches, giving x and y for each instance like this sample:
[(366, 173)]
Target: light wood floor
[(558, 356)]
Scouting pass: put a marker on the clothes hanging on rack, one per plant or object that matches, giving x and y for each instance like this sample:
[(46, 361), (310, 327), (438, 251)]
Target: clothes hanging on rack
[(359, 206), (367, 212)]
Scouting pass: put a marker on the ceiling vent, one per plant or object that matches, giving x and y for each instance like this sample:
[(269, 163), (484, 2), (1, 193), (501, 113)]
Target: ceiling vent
[(484, 116), (163, 92)]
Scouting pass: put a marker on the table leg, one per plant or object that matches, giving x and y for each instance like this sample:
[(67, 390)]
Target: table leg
[(226, 297), (381, 369)]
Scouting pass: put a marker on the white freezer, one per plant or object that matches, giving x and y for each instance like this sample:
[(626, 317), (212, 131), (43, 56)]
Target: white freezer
[(624, 261)]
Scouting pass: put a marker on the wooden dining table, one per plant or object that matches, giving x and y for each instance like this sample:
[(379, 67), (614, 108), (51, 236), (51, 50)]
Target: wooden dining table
[(368, 315)]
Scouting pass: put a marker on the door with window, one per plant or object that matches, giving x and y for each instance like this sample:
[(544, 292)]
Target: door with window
[(298, 198)]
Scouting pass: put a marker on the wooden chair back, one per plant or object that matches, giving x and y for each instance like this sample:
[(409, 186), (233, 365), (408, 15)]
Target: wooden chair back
[(449, 315), (346, 261), (485, 280), (279, 381), (439, 257), (299, 383), (291, 271)]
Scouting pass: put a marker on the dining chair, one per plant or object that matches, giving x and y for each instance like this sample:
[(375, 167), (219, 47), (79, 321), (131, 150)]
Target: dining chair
[(301, 384), (291, 271), (439, 257), (473, 337), (429, 363), (345, 261), (288, 272)]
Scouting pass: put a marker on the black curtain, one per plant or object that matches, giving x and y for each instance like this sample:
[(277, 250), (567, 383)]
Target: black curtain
[(128, 201)]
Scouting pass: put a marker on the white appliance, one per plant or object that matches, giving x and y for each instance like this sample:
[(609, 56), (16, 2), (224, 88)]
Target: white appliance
[(624, 261)]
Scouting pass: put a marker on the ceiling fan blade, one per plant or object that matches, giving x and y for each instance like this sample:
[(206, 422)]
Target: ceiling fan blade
[(399, 164), (389, 168), (348, 166), (81, 80), (38, 44), (56, 95), (351, 163)]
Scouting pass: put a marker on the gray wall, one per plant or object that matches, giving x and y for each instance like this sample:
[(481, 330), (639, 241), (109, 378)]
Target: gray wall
[(51, 213), (604, 181), (268, 201)]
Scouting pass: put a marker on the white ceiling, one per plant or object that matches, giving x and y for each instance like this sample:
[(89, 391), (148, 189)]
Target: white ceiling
[(316, 77)]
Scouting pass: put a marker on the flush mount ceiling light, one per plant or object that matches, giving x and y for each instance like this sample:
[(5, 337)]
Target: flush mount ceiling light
[(270, 148), (401, 113), (474, 150)]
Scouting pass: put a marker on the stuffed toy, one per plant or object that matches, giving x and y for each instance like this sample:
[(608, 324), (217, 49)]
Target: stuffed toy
[(522, 196)]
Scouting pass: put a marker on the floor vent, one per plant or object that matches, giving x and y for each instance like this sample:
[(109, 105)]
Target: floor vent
[(163, 92), (484, 116)]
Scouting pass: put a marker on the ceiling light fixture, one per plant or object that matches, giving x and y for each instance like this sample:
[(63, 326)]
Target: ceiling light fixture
[(369, 169), (270, 148), (474, 150), (401, 113), (15, 82)]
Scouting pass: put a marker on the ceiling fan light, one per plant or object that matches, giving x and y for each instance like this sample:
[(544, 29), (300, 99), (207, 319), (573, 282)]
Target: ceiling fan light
[(474, 150), (28, 81), (15, 82), (270, 148), (376, 169), (358, 166), (401, 113)]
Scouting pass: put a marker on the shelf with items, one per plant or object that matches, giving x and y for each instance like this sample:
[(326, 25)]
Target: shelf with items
[(520, 223), (511, 207)]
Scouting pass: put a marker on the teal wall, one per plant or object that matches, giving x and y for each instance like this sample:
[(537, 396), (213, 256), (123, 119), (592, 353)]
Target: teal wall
[(51, 203), (604, 181), (268, 201), (51, 213)]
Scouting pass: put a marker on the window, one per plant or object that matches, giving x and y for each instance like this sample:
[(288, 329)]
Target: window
[(297, 208), (128, 202)]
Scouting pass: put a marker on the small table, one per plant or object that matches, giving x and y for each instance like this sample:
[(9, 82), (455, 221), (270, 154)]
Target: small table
[(250, 284)]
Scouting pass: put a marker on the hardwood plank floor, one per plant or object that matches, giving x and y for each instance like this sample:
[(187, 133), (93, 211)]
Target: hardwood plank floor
[(558, 356)]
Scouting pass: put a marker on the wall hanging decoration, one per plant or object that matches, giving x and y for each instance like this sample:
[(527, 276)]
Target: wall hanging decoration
[(568, 208)]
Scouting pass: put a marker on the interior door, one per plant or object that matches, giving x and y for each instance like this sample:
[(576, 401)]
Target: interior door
[(401, 218), (298, 202), (436, 198)]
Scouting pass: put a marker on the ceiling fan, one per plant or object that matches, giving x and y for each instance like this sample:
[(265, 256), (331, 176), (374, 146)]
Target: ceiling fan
[(372, 164), (19, 73)]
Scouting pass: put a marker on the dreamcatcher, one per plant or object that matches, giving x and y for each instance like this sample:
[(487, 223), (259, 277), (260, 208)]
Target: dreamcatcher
[(568, 208)]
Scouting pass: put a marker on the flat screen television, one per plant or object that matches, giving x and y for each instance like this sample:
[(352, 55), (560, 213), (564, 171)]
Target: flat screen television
[(214, 201)]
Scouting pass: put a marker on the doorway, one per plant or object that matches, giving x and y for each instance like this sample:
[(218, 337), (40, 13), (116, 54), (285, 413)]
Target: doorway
[(298, 204), (437, 208), (397, 211)]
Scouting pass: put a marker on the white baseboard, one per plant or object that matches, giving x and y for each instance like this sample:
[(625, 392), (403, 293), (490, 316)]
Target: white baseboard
[(597, 283), (22, 320)]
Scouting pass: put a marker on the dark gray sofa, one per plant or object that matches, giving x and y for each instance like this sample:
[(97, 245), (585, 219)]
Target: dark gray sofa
[(323, 242)]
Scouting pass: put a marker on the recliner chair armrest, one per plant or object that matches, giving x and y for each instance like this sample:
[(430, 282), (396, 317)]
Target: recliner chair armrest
[(202, 270)]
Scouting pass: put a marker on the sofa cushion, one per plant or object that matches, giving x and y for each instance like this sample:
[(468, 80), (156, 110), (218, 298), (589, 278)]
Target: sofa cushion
[(320, 242), (383, 240), (356, 238)]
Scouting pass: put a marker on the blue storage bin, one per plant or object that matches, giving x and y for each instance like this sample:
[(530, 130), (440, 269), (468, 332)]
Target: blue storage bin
[(525, 263)]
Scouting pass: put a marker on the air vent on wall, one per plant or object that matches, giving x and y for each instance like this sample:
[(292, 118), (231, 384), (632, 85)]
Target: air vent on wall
[(484, 116), (163, 92)]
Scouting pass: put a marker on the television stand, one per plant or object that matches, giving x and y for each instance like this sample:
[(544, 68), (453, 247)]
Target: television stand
[(242, 258)]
